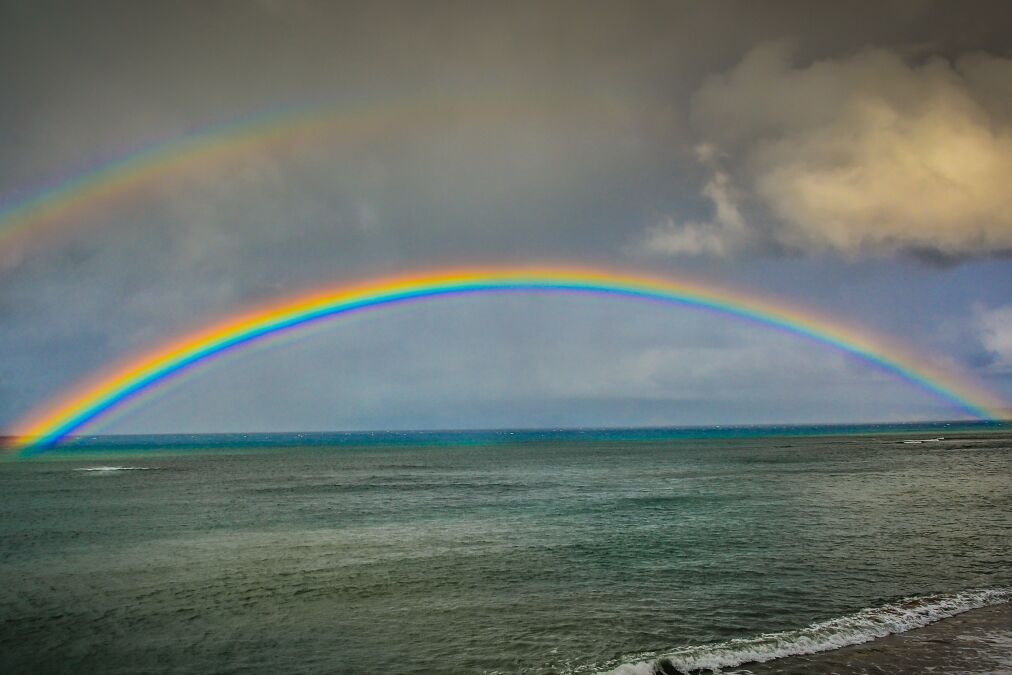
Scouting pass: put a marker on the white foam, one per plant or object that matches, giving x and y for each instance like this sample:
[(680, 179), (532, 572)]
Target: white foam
[(863, 626), (110, 469)]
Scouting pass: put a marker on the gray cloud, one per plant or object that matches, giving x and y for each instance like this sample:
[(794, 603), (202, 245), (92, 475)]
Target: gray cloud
[(518, 361)]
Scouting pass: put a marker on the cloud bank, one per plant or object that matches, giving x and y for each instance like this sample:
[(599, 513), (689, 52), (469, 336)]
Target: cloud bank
[(865, 155)]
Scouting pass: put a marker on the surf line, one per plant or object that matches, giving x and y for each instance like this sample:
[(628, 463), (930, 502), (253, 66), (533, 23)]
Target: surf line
[(84, 406)]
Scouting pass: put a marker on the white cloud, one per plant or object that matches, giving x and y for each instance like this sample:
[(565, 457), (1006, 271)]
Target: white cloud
[(994, 328), (864, 155), (724, 233)]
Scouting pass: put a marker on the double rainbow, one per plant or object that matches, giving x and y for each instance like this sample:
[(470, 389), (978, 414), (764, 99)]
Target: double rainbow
[(75, 412)]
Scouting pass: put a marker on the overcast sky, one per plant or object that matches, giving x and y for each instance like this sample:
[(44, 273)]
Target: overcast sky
[(851, 157)]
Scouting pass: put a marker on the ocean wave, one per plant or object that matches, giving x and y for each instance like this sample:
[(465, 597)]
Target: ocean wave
[(863, 626), (110, 469)]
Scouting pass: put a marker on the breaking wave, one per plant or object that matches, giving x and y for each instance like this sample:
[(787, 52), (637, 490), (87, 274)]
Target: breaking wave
[(863, 626), (111, 469)]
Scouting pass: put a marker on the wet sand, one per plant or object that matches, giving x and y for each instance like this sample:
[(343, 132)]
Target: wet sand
[(978, 641)]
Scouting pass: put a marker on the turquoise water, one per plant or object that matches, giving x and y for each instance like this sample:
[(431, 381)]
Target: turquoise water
[(481, 552)]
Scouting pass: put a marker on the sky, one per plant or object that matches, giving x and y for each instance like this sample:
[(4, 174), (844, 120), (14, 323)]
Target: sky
[(853, 158)]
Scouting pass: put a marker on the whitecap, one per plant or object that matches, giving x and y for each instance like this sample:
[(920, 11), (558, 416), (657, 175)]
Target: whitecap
[(863, 626), (111, 469)]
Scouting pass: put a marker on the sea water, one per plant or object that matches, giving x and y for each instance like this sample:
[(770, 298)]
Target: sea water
[(495, 552)]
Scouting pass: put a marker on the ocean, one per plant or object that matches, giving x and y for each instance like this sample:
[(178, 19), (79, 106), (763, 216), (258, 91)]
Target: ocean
[(533, 552)]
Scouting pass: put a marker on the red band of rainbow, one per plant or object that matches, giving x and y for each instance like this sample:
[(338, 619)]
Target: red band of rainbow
[(76, 411)]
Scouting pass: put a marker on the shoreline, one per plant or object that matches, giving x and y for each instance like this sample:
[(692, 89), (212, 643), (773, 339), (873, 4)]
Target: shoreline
[(969, 631), (975, 641)]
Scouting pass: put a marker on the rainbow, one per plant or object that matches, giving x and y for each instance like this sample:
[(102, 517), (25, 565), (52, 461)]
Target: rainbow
[(29, 216), (27, 219), (110, 390)]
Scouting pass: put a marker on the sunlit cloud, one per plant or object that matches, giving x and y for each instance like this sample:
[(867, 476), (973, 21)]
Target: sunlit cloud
[(865, 155)]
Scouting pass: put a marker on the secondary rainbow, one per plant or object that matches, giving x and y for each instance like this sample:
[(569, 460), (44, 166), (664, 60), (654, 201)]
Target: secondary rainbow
[(83, 407), (41, 210), (27, 219)]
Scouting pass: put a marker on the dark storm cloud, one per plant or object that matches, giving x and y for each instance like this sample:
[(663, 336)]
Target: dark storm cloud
[(596, 145)]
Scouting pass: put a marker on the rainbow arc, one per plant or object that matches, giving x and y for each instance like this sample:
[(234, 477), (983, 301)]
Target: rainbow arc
[(82, 408)]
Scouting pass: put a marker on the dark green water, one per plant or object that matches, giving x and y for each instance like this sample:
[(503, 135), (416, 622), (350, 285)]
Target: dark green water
[(472, 553)]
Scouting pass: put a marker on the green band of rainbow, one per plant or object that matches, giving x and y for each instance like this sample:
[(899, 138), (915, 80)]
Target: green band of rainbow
[(111, 390)]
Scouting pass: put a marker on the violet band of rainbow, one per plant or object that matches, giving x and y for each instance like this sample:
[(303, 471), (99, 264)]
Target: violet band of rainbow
[(76, 411)]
